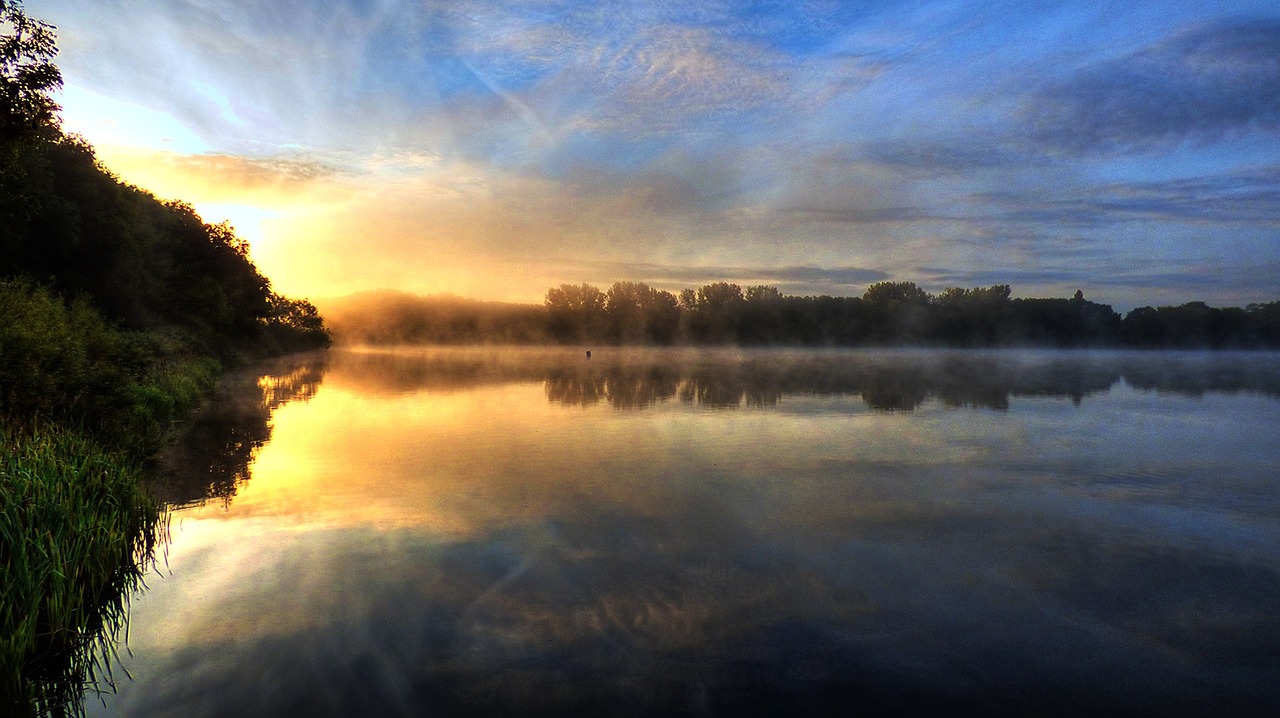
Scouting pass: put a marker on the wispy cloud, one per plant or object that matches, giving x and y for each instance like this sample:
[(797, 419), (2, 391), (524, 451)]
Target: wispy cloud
[(1213, 79)]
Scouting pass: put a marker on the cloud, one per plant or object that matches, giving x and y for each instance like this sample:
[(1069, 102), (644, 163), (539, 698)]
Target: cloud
[(658, 79), (255, 171), (1245, 195), (790, 279), (863, 215), (221, 177), (1206, 82), (1018, 278), (494, 149), (946, 155)]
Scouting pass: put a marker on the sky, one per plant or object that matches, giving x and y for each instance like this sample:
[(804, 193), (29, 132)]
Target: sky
[(496, 149)]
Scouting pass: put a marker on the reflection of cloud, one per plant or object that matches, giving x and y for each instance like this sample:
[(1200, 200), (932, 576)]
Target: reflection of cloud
[(1205, 82)]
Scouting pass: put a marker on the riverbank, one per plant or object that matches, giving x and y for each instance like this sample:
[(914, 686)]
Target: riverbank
[(83, 406)]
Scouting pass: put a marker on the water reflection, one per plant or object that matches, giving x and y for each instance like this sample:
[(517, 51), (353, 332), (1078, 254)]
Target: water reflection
[(469, 532), (887, 380), (212, 457)]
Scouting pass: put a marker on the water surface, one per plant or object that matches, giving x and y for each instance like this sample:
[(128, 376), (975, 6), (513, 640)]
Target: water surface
[(478, 531)]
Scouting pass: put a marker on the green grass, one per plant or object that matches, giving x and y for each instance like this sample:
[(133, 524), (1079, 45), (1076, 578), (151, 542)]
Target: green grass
[(77, 532)]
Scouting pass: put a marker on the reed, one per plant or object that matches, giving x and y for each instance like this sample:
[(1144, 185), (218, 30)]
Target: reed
[(77, 533)]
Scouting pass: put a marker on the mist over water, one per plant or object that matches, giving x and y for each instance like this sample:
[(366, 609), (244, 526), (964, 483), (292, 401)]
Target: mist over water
[(481, 531)]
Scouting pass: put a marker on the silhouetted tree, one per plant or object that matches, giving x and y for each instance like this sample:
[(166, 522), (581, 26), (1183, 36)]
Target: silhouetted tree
[(887, 293), (719, 295), (576, 313), (688, 300), (901, 313), (763, 294), (295, 323), (27, 74), (1262, 324), (1193, 324), (972, 317), (763, 317), (1062, 323), (717, 313), (898, 313), (640, 313)]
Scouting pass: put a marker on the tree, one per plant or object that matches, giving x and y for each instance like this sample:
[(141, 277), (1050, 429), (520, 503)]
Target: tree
[(719, 295), (898, 312), (688, 300), (892, 292), (575, 312), (972, 317), (296, 323), (762, 293), (27, 73), (640, 313)]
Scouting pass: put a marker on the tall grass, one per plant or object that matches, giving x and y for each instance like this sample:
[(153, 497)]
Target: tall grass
[(77, 532)]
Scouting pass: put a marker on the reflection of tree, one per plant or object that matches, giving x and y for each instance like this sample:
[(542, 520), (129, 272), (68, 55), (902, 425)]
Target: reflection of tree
[(624, 387), (575, 390), (896, 391), (1198, 374), (887, 380), (638, 387), (212, 458)]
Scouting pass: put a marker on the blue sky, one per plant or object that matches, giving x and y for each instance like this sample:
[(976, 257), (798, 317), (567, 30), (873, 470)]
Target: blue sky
[(496, 149)]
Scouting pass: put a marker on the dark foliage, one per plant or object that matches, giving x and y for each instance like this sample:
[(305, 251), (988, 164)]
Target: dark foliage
[(144, 264), (27, 74)]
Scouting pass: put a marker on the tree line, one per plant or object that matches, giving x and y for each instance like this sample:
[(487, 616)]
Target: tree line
[(892, 314), (723, 313)]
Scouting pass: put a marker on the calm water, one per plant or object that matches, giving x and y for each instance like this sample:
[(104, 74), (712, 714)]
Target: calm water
[(444, 532)]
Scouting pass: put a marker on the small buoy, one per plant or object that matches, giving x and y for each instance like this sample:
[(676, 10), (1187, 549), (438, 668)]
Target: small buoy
[(588, 354)]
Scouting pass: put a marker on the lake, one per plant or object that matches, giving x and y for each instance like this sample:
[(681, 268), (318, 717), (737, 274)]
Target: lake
[(714, 532)]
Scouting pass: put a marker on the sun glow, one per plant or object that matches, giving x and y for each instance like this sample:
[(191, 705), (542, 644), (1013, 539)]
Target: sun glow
[(111, 122)]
